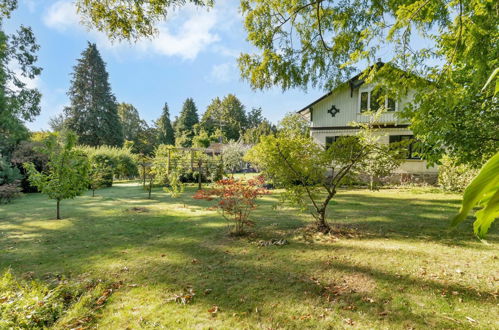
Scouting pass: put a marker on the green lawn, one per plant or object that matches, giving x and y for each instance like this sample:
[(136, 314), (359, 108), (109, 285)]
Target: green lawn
[(395, 263)]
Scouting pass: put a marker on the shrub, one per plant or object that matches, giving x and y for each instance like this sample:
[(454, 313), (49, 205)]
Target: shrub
[(9, 181), (233, 154), (452, 177), (235, 200), (121, 162), (29, 151)]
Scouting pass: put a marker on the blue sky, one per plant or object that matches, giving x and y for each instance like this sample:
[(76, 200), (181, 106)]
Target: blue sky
[(194, 55)]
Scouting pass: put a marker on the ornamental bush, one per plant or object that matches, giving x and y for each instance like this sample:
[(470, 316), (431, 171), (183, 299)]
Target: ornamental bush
[(236, 199), (453, 177), (120, 162), (9, 181)]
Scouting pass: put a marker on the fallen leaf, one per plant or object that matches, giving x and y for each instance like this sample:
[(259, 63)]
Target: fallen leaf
[(213, 310)]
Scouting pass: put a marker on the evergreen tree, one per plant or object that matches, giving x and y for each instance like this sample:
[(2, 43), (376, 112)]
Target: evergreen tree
[(185, 124), (93, 113), (255, 117), (166, 134)]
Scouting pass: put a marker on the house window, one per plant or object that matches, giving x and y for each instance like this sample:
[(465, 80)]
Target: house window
[(364, 101), (330, 140), (374, 100), (412, 149)]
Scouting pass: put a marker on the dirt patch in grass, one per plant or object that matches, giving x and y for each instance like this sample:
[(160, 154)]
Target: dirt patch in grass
[(136, 209)]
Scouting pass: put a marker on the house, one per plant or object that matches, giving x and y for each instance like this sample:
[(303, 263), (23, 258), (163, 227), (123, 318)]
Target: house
[(330, 117)]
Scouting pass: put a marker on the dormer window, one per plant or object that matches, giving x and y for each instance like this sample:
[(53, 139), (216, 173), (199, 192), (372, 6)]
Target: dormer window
[(371, 100)]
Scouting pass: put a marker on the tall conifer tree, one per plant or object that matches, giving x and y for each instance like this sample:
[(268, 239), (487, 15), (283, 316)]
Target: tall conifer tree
[(93, 111), (166, 135), (185, 124)]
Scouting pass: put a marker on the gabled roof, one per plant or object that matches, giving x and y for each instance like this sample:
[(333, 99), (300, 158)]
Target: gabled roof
[(353, 82)]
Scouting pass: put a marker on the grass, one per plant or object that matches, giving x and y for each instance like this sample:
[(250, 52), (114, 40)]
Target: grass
[(399, 266)]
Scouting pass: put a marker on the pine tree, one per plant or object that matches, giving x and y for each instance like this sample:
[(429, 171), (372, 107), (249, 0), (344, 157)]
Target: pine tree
[(166, 135), (185, 124), (93, 113)]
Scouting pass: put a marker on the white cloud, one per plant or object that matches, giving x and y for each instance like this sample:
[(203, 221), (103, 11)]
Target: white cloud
[(224, 72), (186, 34), (193, 36), (62, 16)]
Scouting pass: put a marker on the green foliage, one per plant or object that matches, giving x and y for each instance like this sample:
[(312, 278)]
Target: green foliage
[(98, 176), (166, 134), (29, 151), (166, 169), (9, 181), (482, 192), (228, 115), (454, 177), (310, 173), (293, 124), (252, 135), (184, 126), (93, 113), (67, 169), (18, 102), (139, 137), (130, 19), (119, 162), (201, 139), (38, 305)]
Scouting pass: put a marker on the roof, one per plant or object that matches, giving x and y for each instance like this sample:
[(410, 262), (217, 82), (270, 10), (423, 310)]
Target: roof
[(353, 82)]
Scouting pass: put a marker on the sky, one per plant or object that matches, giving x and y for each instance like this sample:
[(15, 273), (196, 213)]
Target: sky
[(194, 55)]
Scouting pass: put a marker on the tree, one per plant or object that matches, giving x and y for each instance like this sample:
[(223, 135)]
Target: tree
[(255, 117), (185, 125), (130, 19), (293, 124), (228, 115), (10, 179), (252, 135), (236, 199), (18, 102), (330, 38), (67, 169), (56, 123), (93, 113), (308, 172), (97, 176), (166, 134), (130, 121)]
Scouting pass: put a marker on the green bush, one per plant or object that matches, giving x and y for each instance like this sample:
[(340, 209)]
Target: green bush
[(38, 305), (10, 178), (452, 177), (121, 162)]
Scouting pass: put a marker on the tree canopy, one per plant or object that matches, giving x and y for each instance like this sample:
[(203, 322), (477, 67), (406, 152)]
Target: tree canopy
[(18, 102), (93, 113), (184, 126), (166, 134), (228, 115)]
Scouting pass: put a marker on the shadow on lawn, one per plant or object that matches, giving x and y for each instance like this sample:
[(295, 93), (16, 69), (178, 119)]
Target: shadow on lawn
[(241, 282)]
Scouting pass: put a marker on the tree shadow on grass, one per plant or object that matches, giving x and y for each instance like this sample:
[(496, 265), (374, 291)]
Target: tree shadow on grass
[(168, 250)]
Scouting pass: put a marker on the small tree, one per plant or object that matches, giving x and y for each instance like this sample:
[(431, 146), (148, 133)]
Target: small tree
[(310, 173), (67, 169), (97, 176), (235, 200), (9, 181)]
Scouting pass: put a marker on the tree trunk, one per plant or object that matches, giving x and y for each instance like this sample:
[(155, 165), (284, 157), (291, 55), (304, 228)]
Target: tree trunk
[(150, 188), (322, 225), (93, 192), (58, 210), (371, 182)]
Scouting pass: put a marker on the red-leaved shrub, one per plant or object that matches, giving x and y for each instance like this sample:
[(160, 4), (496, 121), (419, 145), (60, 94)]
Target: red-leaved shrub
[(235, 199)]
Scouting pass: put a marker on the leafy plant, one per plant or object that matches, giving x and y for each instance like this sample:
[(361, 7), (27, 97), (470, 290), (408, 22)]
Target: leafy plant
[(454, 177), (9, 181), (310, 173), (482, 192), (235, 200), (67, 169), (97, 176)]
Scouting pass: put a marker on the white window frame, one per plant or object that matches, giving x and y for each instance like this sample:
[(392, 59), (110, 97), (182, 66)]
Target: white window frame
[(369, 90)]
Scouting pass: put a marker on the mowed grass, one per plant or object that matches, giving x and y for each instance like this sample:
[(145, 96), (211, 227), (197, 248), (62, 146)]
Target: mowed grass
[(398, 265)]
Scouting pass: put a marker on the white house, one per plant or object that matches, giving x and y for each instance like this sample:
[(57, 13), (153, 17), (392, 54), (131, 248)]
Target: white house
[(330, 116)]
